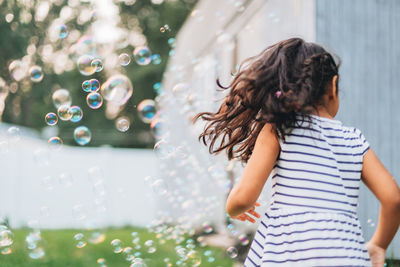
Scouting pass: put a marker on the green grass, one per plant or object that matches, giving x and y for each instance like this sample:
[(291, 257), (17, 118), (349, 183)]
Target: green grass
[(61, 250)]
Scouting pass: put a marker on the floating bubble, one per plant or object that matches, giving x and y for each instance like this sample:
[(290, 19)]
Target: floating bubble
[(36, 74), (142, 55), (63, 113), (244, 241), (157, 128), (86, 86), (117, 245), (163, 149), (193, 258), (63, 31), (128, 253), (147, 110), (124, 59), (165, 28), (5, 251), (97, 63), (172, 42), (180, 90), (117, 89), (6, 237), (171, 52), (122, 124), (96, 237), (61, 97), (51, 119), (159, 187), (150, 246), (101, 262), (232, 252), (94, 85), (138, 262), (76, 113), (80, 240), (35, 245), (157, 87), (56, 142), (14, 134), (85, 66), (156, 59), (18, 70), (207, 228), (82, 135), (94, 100)]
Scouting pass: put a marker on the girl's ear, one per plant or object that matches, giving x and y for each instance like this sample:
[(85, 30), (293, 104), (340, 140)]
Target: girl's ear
[(333, 92)]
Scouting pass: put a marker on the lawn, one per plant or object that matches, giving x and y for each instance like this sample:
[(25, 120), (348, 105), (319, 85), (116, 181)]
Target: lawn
[(61, 250)]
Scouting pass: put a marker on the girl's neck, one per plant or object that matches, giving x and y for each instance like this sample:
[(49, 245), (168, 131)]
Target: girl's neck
[(322, 112)]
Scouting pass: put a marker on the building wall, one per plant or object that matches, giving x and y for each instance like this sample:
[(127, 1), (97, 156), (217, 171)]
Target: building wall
[(364, 33), (361, 32)]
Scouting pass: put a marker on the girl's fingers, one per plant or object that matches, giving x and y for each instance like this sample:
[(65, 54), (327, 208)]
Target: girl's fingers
[(254, 213), (250, 219)]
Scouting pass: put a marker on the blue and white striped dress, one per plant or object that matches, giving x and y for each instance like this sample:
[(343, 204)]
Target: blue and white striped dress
[(312, 219)]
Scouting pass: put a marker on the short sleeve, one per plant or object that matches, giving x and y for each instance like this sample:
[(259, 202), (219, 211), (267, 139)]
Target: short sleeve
[(362, 141)]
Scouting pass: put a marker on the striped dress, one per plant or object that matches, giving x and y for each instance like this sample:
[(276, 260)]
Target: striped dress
[(312, 217)]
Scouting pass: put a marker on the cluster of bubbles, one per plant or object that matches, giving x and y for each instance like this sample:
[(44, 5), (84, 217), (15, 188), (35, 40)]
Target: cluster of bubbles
[(6, 240), (35, 244)]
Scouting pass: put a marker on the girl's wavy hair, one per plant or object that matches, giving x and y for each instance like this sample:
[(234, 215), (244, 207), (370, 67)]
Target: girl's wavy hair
[(284, 80)]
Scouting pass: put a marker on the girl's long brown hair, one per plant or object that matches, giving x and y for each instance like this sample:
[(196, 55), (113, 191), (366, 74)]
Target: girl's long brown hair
[(299, 71)]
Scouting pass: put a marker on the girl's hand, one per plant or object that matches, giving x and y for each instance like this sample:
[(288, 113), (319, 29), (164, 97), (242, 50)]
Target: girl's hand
[(245, 215), (377, 254)]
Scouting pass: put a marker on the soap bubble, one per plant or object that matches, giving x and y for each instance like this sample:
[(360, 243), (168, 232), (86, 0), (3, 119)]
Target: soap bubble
[(85, 66), (117, 245), (232, 252), (35, 245), (36, 74), (156, 59), (142, 55), (94, 100), (61, 97), (138, 262), (128, 253), (165, 28), (97, 63), (55, 142), (150, 246), (96, 237), (157, 128), (193, 258), (6, 236), (180, 90), (122, 124), (157, 87), (117, 89), (86, 86), (244, 241), (80, 240), (63, 31), (94, 85), (147, 110), (101, 262), (18, 70), (14, 134), (163, 149), (63, 113), (82, 135), (172, 42), (5, 251), (51, 119), (124, 59), (207, 228), (75, 113)]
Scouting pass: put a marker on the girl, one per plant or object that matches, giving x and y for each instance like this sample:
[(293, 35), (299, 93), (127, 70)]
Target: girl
[(278, 117)]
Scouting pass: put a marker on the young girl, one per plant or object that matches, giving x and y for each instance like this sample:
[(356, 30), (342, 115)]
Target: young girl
[(278, 117)]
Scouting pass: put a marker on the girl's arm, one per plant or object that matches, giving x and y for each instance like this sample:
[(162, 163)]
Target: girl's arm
[(384, 187), (246, 192)]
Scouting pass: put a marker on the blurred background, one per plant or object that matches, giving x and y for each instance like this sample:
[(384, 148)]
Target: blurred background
[(100, 163)]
